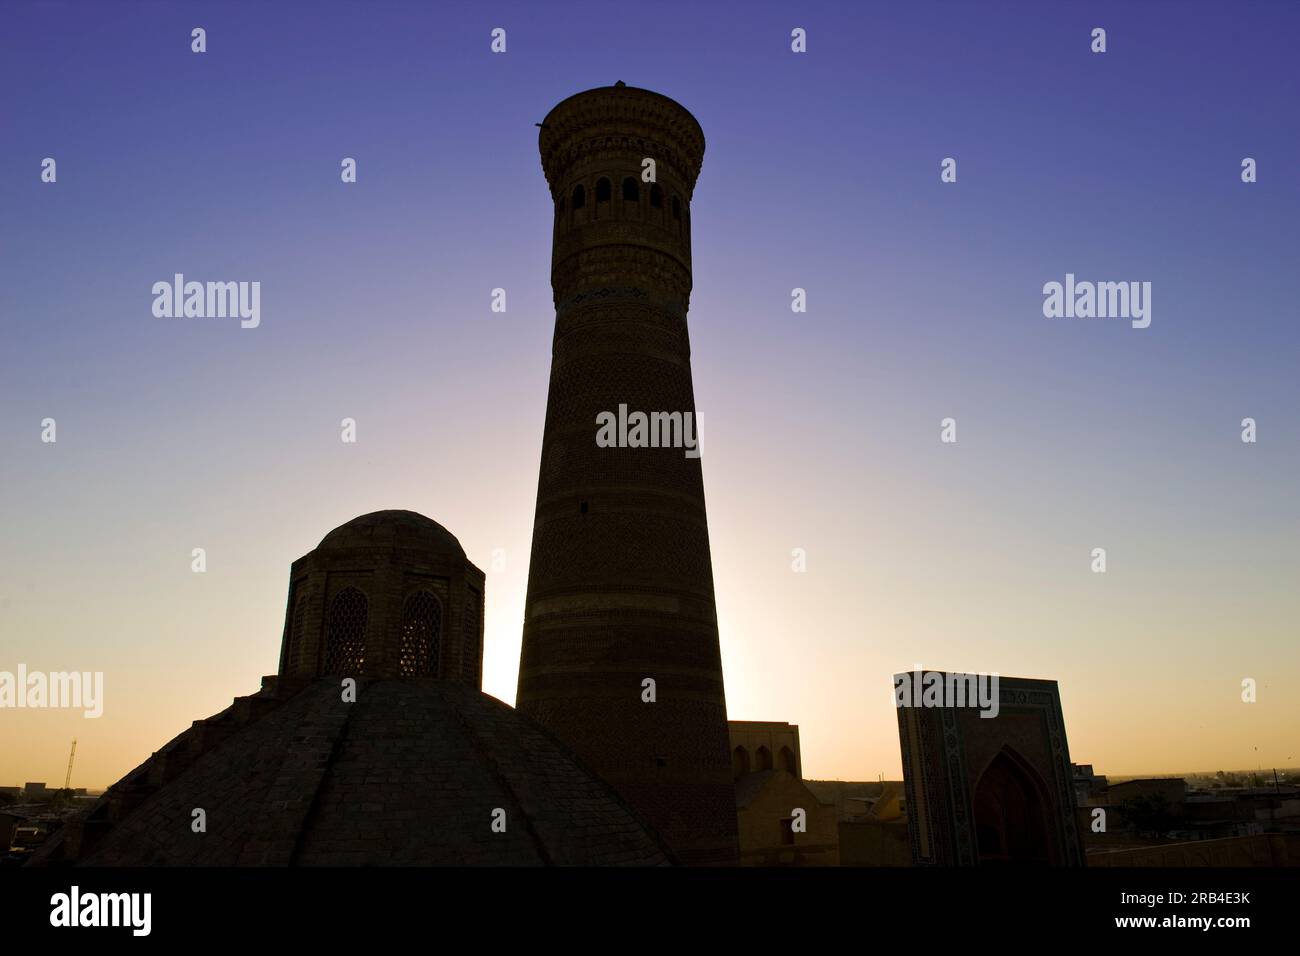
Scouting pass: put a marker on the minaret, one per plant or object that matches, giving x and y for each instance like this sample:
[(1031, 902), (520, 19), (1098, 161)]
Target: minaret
[(620, 585)]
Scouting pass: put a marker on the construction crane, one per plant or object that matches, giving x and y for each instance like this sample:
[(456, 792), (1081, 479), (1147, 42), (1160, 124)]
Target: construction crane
[(68, 779)]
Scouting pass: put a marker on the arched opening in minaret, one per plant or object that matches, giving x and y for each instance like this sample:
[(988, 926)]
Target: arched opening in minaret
[(345, 634), (421, 636), (1011, 813), (603, 190), (579, 196), (677, 208), (764, 759), (631, 191), (656, 196), (739, 762)]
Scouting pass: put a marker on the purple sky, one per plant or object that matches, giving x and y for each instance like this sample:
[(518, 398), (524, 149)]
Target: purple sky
[(821, 429)]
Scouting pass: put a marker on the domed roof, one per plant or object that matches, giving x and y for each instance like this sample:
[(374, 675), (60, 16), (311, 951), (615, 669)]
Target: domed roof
[(387, 529), (412, 773)]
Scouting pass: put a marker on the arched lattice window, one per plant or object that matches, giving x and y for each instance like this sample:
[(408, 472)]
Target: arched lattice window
[(602, 189), (469, 654), (656, 196), (763, 759), (579, 196), (345, 635), (421, 641), (631, 191)]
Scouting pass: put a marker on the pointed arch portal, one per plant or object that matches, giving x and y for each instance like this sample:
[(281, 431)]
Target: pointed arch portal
[(1011, 813)]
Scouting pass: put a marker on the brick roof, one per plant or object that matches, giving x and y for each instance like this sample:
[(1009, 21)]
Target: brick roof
[(410, 774)]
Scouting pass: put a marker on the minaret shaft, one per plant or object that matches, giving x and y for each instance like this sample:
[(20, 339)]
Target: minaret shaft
[(620, 587)]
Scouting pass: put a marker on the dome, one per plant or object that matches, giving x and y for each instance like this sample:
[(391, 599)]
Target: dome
[(393, 529), (412, 773)]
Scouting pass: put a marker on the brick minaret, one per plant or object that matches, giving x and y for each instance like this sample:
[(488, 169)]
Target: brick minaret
[(620, 587)]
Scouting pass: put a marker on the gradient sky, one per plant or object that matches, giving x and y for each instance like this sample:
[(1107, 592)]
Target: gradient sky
[(820, 430)]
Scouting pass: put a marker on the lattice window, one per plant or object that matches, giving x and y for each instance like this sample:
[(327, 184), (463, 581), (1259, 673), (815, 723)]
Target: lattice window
[(469, 655), (345, 641), (421, 635)]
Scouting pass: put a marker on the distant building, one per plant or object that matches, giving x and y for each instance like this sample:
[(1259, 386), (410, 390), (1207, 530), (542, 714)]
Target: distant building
[(8, 822), (872, 820), (28, 835), (781, 821), (1172, 789), (35, 791), (984, 790), (1164, 813), (1089, 788), (764, 745)]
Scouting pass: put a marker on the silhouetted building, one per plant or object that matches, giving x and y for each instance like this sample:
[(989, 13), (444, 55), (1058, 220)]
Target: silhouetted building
[(374, 743), (620, 586), (389, 594), (876, 834), (871, 817), (781, 821), (758, 745), (417, 767), (990, 790), (8, 822), (1170, 790)]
